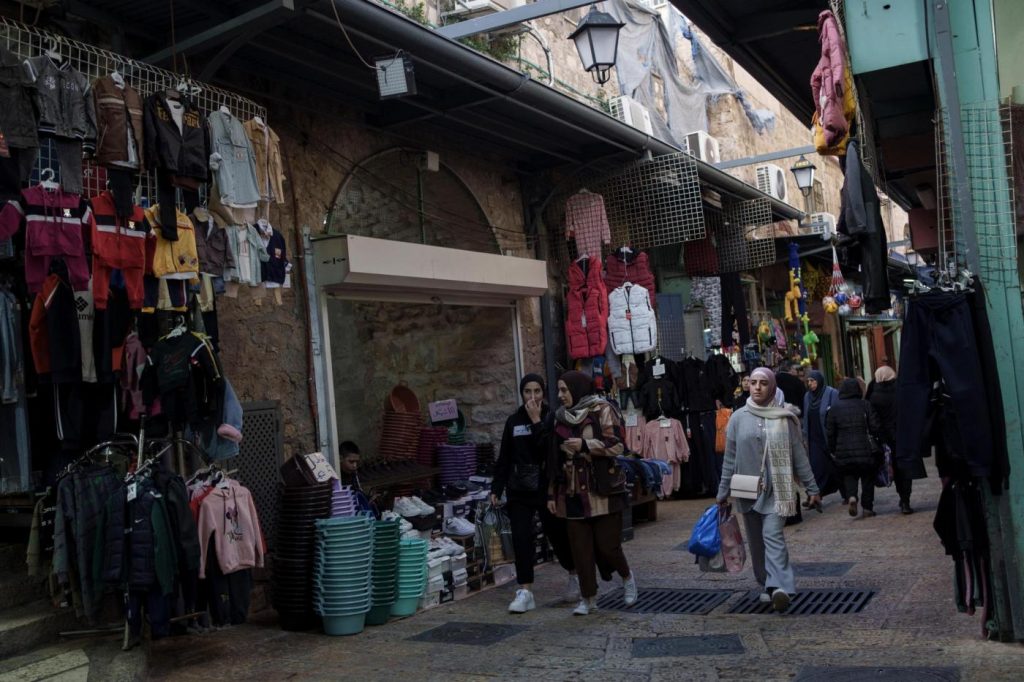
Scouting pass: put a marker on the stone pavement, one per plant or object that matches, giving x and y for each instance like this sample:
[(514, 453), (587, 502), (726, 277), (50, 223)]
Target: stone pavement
[(911, 621)]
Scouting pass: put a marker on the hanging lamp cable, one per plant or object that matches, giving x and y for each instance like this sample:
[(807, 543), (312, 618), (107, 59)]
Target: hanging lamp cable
[(337, 18)]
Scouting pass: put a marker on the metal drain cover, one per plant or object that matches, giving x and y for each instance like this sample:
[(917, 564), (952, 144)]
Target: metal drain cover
[(474, 634), (657, 600), (700, 645), (822, 569), (852, 674), (810, 602)]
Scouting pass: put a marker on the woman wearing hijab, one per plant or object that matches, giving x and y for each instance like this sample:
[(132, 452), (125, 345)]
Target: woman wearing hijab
[(519, 475), (585, 485), (818, 400), (882, 397), (848, 426), (763, 439)]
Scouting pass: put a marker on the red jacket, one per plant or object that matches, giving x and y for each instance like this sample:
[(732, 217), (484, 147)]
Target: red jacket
[(587, 324), (622, 267), (827, 81)]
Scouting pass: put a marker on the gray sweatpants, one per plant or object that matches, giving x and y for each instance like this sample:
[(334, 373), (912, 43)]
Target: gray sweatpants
[(768, 552)]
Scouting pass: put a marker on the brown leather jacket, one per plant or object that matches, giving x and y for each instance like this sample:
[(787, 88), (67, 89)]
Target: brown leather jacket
[(269, 170), (118, 114)]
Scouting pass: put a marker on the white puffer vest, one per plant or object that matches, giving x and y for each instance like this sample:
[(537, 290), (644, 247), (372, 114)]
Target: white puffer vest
[(632, 327)]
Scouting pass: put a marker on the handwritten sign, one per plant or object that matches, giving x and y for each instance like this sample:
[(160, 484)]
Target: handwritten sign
[(443, 410)]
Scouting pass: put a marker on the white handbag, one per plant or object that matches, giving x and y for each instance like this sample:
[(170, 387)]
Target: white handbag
[(745, 486)]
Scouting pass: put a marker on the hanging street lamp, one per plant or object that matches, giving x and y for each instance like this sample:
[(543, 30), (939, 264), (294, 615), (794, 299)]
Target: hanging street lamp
[(803, 171), (597, 41)]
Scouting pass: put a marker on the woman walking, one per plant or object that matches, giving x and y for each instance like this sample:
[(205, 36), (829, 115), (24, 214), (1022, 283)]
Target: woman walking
[(818, 400), (586, 485), (519, 475), (882, 397), (763, 439), (851, 425)]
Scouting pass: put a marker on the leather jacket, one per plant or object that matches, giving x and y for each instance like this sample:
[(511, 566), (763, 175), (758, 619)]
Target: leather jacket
[(179, 151), (118, 116)]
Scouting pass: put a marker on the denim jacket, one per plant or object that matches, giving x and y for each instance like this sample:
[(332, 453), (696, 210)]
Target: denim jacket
[(232, 161)]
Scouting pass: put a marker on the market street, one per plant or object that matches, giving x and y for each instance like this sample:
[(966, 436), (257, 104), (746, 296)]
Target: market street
[(910, 621)]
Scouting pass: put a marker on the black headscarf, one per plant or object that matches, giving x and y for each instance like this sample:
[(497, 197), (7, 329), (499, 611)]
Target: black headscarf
[(818, 393), (850, 388), (527, 378), (580, 385)]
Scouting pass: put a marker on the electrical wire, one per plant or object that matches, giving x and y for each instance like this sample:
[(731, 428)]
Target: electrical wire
[(337, 18)]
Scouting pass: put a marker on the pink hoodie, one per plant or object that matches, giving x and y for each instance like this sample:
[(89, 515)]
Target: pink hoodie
[(230, 516), (827, 79)]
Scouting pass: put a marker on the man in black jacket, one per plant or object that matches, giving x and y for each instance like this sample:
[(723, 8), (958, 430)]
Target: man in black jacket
[(792, 386), (519, 475)]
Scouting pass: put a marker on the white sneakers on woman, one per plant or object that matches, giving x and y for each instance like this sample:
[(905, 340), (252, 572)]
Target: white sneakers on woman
[(572, 590), (523, 602), (630, 592), (585, 607)]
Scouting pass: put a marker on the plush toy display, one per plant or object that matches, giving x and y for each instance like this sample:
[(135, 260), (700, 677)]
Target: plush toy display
[(856, 301), (810, 339), (793, 296), (830, 305)]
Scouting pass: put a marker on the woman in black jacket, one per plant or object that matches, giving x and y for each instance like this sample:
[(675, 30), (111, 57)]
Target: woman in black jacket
[(519, 475), (848, 425), (883, 399)]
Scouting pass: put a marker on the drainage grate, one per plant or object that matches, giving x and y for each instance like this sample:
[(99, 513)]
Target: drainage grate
[(474, 634), (813, 602), (852, 674), (822, 569), (690, 602), (700, 645)]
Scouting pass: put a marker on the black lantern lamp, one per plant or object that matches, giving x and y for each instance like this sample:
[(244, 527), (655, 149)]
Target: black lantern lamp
[(803, 171), (597, 40)]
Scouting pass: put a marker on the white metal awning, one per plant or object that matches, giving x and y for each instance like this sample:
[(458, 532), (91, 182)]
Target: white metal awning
[(369, 269)]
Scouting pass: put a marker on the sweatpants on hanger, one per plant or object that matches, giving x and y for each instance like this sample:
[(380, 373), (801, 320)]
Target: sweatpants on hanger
[(938, 334), (69, 156), (769, 555), (593, 540), (734, 309)]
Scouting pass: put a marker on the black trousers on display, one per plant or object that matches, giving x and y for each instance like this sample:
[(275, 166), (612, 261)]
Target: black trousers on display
[(734, 309), (521, 514), (938, 334)]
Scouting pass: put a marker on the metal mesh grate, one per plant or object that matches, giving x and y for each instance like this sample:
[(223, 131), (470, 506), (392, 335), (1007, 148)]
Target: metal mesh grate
[(259, 459), (810, 602), (648, 203), (671, 330), (92, 62), (657, 600)]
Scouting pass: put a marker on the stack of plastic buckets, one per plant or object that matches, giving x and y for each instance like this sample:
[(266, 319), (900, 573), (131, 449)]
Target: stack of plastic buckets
[(386, 535), (341, 573), (412, 576), (343, 503)]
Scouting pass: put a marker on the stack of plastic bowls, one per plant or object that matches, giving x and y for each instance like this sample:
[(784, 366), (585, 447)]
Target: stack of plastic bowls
[(343, 502), (412, 576), (341, 573), (386, 535), (299, 508)]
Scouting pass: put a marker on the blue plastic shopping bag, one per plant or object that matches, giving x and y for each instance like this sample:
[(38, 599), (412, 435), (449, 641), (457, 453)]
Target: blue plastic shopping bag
[(705, 540)]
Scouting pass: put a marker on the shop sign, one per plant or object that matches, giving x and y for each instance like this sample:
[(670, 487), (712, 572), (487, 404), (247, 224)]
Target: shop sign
[(443, 410)]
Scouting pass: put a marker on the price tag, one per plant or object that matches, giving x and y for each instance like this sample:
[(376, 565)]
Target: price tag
[(132, 491), (443, 410), (658, 370), (632, 419)]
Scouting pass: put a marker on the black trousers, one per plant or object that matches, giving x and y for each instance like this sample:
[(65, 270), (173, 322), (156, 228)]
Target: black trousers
[(939, 342), (734, 309), (521, 514), (157, 608), (866, 479)]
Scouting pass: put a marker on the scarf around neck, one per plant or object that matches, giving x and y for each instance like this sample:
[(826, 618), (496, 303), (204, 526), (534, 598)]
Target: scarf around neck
[(575, 415), (779, 454)]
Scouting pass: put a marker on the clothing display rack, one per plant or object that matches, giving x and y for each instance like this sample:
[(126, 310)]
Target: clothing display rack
[(93, 62)]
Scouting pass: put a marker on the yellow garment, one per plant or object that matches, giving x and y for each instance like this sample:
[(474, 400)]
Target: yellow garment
[(174, 260)]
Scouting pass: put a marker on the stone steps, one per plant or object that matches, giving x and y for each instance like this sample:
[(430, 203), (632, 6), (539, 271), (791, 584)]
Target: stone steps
[(32, 625)]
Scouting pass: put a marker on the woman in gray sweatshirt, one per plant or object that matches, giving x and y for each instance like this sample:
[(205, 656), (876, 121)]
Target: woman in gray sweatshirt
[(763, 439)]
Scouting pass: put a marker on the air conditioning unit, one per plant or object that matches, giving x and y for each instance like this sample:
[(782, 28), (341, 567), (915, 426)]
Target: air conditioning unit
[(821, 223), (703, 146), (772, 181), (472, 9), (631, 112)]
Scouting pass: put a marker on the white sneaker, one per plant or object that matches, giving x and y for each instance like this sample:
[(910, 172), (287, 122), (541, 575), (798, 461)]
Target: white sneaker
[(458, 527), (764, 598), (451, 547), (405, 507), (629, 589), (572, 590), (424, 508), (523, 602), (585, 607)]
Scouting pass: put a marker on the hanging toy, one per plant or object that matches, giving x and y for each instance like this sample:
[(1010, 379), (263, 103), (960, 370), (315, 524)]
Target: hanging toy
[(830, 305), (837, 297), (793, 296), (810, 339), (856, 301), (764, 335), (845, 309)]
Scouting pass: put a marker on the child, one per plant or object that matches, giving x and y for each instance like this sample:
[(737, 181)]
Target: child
[(349, 460)]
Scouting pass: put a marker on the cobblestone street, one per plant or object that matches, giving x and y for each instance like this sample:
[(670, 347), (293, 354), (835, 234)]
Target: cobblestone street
[(909, 622)]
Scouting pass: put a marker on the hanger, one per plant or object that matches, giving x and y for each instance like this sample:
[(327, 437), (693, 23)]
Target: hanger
[(53, 48), (225, 110), (47, 181), (179, 327), (258, 121)]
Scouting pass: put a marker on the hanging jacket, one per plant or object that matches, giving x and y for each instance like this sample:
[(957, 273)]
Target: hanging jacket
[(275, 267), (177, 151), (861, 217), (17, 103), (232, 161), (140, 548), (626, 265), (228, 514), (828, 80), (133, 362), (119, 129), (63, 101), (118, 242), (266, 147), (178, 259), (215, 256), (632, 327), (666, 443), (587, 303)]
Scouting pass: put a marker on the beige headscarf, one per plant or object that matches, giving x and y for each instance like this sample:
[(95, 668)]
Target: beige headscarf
[(885, 373)]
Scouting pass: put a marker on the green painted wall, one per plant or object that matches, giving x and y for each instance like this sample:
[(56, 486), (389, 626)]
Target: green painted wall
[(1009, 23)]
